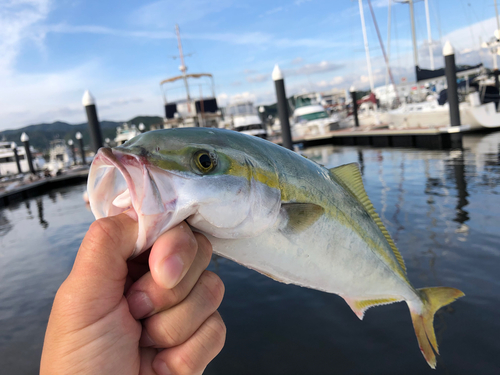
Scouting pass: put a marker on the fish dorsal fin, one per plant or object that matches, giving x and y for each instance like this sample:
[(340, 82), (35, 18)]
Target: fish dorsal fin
[(349, 177), (301, 216), (359, 306)]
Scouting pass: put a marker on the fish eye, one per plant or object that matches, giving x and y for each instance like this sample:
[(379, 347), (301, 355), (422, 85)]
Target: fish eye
[(205, 161)]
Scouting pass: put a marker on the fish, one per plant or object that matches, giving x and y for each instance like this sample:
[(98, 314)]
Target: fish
[(269, 209)]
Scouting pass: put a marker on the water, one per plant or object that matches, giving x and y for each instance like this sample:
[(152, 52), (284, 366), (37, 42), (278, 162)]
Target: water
[(442, 209)]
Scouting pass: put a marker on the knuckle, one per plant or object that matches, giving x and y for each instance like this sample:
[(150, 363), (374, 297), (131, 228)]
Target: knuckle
[(216, 332), (211, 289), (105, 230), (186, 364), (170, 332)]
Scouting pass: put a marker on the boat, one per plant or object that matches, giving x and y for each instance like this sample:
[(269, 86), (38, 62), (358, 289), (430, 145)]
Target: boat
[(8, 165), (244, 118), (125, 133), (60, 157), (193, 110), (310, 118)]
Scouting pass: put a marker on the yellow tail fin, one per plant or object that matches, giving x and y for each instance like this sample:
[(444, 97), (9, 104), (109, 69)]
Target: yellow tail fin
[(433, 299)]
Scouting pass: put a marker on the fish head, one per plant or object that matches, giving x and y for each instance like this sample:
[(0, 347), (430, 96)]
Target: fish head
[(208, 177)]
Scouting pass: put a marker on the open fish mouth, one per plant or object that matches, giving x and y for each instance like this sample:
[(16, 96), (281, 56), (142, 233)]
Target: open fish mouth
[(119, 182)]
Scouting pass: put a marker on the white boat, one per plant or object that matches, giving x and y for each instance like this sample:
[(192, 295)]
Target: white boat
[(60, 157), (244, 118), (190, 110), (125, 133), (310, 118), (8, 164)]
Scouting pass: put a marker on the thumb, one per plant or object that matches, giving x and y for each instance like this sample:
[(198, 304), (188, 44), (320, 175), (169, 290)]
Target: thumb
[(100, 269)]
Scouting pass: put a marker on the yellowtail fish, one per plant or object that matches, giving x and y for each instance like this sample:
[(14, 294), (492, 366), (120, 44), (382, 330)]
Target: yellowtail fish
[(268, 209)]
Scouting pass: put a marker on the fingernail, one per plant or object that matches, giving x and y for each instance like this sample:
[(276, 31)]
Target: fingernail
[(171, 271), (161, 367), (139, 305), (145, 340)]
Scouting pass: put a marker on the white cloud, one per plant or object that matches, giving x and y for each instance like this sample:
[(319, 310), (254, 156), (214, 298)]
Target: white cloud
[(259, 78), (307, 69)]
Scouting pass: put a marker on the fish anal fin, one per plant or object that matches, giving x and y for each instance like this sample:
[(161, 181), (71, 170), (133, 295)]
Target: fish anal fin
[(349, 177), (301, 216), (359, 306)]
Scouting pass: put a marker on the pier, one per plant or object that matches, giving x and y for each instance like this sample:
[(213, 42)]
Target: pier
[(30, 189), (424, 138)]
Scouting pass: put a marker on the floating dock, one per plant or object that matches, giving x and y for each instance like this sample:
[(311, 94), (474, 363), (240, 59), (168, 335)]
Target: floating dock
[(31, 189), (425, 138)]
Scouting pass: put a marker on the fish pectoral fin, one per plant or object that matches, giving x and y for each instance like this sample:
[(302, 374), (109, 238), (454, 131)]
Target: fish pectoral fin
[(359, 306), (301, 216)]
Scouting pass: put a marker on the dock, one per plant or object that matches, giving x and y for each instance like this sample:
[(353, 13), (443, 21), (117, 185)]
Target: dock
[(424, 138), (31, 189)]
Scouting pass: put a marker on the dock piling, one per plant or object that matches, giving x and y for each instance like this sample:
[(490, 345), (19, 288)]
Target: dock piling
[(352, 90), (279, 84), (13, 146), (82, 151), (71, 144), (26, 141), (94, 127), (451, 79)]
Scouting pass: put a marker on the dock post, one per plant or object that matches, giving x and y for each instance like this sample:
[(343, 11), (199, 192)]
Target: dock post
[(94, 127), (13, 146), (141, 127), (71, 144), (26, 140), (352, 90), (82, 151), (451, 79), (279, 85)]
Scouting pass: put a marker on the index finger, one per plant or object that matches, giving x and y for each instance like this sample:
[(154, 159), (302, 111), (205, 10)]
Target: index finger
[(172, 254)]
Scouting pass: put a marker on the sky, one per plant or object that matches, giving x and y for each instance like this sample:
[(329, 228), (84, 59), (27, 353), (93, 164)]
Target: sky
[(51, 51)]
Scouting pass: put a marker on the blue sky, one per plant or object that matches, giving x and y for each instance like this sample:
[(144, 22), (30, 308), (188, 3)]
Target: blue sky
[(51, 51)]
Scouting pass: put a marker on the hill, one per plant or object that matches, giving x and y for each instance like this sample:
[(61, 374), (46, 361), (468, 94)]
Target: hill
[(41, 134)]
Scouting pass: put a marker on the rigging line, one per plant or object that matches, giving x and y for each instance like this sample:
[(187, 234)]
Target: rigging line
[(437, 17), (383, 50), (469, 22)]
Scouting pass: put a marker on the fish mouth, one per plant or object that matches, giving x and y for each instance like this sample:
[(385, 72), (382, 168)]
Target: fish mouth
[(120, 182)]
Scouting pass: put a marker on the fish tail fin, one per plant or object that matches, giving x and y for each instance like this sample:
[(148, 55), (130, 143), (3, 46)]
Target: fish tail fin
[(423, 318)]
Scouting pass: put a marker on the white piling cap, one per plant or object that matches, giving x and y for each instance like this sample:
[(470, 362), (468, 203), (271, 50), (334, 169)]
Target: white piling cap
[(448, 49), (262, 109), (352, 89), (70, 142), (87, 99), (78, 135), (277, 75), (141, 127), (497, 34), (13, 145), (24, 137)]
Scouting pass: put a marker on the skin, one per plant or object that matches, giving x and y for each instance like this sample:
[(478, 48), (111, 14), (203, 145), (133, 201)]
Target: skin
[(155, 314)]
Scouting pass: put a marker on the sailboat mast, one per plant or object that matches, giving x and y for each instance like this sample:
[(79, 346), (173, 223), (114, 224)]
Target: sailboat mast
[(429, 35), (183, 67), (413, 34), (367, 50), (496, 11), (388, 45)]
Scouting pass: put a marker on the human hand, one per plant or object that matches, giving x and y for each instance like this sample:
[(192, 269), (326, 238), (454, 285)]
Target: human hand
[(94, 326)]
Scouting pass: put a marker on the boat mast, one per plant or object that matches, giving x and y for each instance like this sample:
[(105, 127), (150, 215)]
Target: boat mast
[(388, 46), (413, 34), (496, 11), (183, 67), (429, 35), (367, 50)]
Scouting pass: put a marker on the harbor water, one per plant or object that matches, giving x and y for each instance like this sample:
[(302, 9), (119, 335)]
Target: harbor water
[(441, 207)]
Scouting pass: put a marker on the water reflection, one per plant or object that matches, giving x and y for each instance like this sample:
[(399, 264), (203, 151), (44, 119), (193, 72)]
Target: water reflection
[(42, 221)]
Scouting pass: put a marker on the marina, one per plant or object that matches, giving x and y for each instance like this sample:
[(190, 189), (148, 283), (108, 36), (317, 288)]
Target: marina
[(389, 199), (440, 206)]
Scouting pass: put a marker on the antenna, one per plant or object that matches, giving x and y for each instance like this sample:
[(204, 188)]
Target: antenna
[(183, 66)]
